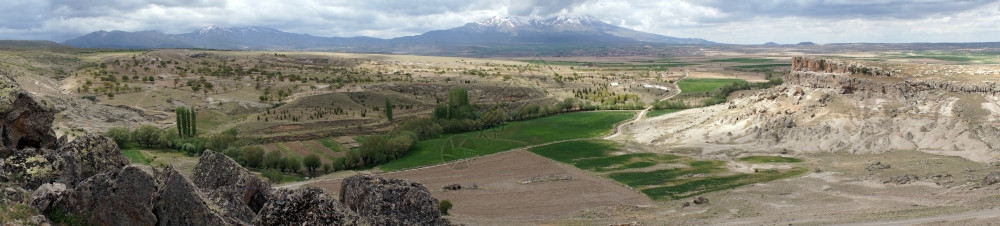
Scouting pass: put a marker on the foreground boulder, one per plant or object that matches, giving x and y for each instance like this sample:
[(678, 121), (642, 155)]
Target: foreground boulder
[(25, 121), (390, 201), (87, 156), (307, 206), (240, 193), (181, 203), (28, 167), (48, 197), (125, 197)]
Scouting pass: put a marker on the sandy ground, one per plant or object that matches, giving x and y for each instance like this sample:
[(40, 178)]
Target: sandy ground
[(502, 200)]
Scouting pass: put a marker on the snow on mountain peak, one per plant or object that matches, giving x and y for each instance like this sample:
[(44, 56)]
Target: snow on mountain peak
[(501, 23), (210, 29)]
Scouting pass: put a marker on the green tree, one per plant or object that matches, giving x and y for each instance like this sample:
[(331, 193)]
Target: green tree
[(253, 156), (311, 162), (147, 135), (186, 121), (388, 109), (294, 165), (236, 154), (283, 164), (326, 168), (192, 122), (272, 175), (119, 135), (445, 205), (272, 160)]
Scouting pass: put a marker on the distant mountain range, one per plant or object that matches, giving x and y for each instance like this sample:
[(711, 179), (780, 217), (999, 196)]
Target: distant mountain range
[(507, 31)]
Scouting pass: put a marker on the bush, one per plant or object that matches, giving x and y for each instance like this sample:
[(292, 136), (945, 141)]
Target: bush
[(119, 135), (294, 164), (272, 175), (58, 216), (445, 206), (253, 156), (311, 162), (147, 135), (235, 154), (272, 160)]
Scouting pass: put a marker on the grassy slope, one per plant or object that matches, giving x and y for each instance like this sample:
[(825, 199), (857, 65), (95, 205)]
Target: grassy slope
[(512, 135), (695, 177)]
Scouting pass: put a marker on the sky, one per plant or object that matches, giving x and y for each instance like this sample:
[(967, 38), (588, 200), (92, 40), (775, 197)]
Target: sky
[(724, 21)]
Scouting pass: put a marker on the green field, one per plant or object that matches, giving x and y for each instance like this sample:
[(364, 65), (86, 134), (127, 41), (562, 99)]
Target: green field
[(136, 156), (743, 60), (620, 66), (512, 135), (690, 85), (654, 113), (693, 177), (769, 159), (761, 66), (331, 144)]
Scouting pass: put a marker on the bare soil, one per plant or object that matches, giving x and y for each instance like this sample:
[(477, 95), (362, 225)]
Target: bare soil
[(502, 199)]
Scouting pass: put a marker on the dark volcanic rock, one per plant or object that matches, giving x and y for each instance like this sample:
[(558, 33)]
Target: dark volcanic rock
[(904, 179), (28, 167), (48, 197), (25, 121), (991, 178), (123, 197), (878, 166), (307, 206), (87, 156), (181, 203), (390, 201), (240, 193), (700, 200)]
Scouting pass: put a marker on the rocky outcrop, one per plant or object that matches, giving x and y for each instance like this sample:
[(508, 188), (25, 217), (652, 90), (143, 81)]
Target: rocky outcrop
[(181, 203), (29, 167), (308, 206), (84, 157), (48, 197), (123, 197), (904, 179), (837, 66), (87, 156), (240, 193), (835, 74), (24, 120), (991, 178), (390, 201)]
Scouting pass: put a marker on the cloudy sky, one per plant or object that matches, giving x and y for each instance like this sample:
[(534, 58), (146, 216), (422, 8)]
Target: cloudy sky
[(726, 21)]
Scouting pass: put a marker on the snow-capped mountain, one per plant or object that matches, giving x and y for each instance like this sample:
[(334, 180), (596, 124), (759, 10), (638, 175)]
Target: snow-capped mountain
[(560, 30), (506, 31)]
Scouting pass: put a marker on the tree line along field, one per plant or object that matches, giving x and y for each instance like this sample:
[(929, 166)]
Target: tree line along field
[(662, 176)]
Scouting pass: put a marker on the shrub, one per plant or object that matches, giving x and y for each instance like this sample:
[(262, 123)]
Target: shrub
[(253, 156), (311, 162), (235, 154), (272, 175), (445, 206), (294, 164), (119, 135), (272, 160)]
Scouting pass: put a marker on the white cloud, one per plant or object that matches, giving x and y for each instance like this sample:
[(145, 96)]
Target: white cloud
[(743, 22)]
